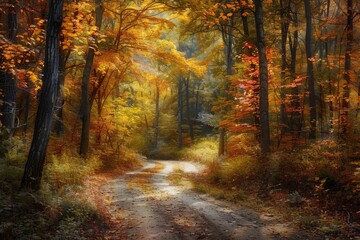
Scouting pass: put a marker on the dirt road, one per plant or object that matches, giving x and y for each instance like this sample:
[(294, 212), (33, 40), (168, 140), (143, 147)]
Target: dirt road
[(147, 206)]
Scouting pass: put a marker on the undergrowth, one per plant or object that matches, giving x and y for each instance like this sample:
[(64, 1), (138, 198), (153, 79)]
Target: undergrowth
[(320, 179), (61, 209), (203, 150)]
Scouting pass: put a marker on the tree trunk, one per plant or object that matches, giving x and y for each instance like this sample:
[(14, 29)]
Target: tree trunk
[(245, 25), (188, 108), (85, 104), (157, 116), (310, 69), (263, 72), (9, 82), (59, 124), (44, 117), (27, 108), (179, 115), (284, 9), (296, 117), (229, 71), (344, 131)]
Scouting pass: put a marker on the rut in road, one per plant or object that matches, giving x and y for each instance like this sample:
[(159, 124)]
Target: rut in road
[(147, 206)]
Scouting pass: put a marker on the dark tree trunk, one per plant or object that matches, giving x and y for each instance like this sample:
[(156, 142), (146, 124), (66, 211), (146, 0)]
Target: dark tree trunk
[(284, 14), (197, 100), (44, 117), (12, 21), (245, 25), (157, 117), (27, 108), (85, 104), (188, 108), (263, 69), (180, 112), (59, 124), (310, 69), (229, 71), (296, 116), (8, 79), (344, 131)]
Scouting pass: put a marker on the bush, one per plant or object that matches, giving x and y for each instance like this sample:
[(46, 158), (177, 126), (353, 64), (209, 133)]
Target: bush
[(121, 159), (204, 150), (236, 172), (70, 169), (324, 169), (12, 161)]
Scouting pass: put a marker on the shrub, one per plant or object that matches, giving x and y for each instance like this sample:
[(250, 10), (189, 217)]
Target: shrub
[(12, 161), (70, 169), (204, 150)]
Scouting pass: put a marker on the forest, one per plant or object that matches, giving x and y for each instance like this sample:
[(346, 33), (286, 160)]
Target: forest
[(180, 119)]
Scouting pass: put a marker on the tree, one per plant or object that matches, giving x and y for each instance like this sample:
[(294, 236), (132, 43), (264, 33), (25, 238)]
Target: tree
[(180, 111), (8, 77), (263, 69), (310, 69), (85, 103), (44, 117), (344, 121), (284, 14)]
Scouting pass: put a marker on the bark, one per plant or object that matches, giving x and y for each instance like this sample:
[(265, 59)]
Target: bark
[(157, 116), (27, 109), (264, 76), (296, 118), (188, 108), (245, 25), (44, 117), (229, 66), (329, 75), (197, 100), (85, 104), (180, 113), (284, 14), (346, 87), (310, 69), (8, 84), (59, 124), (322, 52)]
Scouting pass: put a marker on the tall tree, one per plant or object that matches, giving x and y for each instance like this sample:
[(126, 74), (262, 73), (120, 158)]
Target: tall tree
[(85, 103), (188, 107), (310, 69), (264, 78), (296, 117), (346, 88), (284, 14), (157, 116), (44, 117), (228, 39), (180, 112), (8, 79)]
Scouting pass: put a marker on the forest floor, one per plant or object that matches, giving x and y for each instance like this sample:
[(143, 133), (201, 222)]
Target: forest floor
[(145, 204)]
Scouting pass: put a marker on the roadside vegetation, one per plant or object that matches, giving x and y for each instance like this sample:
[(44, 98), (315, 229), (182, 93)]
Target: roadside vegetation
[(315, 186), (62, 208)]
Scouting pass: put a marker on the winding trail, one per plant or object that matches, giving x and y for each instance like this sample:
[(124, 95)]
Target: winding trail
[(147, 206)]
